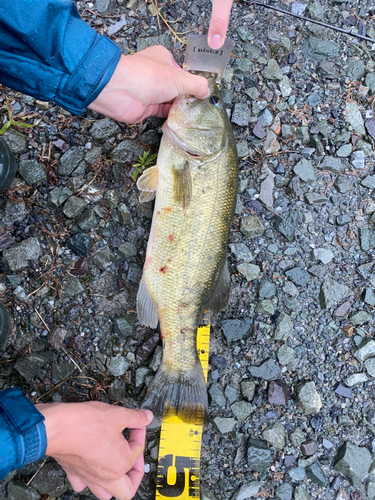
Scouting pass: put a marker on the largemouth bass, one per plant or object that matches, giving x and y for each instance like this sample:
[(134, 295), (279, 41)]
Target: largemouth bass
[(185, 272)]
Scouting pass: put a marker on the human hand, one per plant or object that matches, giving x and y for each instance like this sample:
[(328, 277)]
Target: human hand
[(145, 84), (86, 440), (219, 23)]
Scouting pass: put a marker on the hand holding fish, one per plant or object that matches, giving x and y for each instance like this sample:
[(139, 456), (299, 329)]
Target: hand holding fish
[(86, 439), (219, 23), (145, 84)]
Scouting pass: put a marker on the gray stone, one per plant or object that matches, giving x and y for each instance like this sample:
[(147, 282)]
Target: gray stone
[(284, 491), (265, 118), (153, 138), (17, 257), (318, 49), (275, 435), (15, 141), (266, 190), (302, 135), (344, 151), (50, 480), (117, 391), (267, 289), (297, 437), (305, 171), (323, 255), (127, 151), (268, 370), (285, 87), (93, 154), (353, 462), (258, 455), (354, 117), (356, 378), (242, 149), (141, 374), (315, 198), (369, 182), (74, 206), (251, 226), (71, 288), (271, 145), (118, 365), (343, 219), (111, 198), (248, 490), (70, 160), (104, 6), (125, 214), (286, 355), (241, 251), (332, 293), (370, 366), (365, 350), (298, 276), (343, 184), (325, 129), (286, 131), (144, 43), (104, 129), (287, 224), (265, 307), (124, 325), (30, 367), (360, 318), (235, 329), (13, 211), (284, 327), (355, 69), (127, 250), (248, 389), (309, 399), (249, 271), (62, 370), (370, 490), (369, 297), (231, 394), (300, 493), (217, 395), (81, 244), (32, 171), (366, 238), (57, 196), (357, 159), (57, 337), (225, 425), (87, 220), (297, 474), (102, 258), (241, 115), (314, 99), (273, 71), (242, 409), (315, 473), (370, 82), (290, 289), (18, 490)]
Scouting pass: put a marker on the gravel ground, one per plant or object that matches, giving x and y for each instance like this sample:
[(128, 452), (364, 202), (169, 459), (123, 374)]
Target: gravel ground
[(291, 383)]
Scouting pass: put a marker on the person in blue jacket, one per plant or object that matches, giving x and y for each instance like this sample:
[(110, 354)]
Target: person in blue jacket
[(48, 52)]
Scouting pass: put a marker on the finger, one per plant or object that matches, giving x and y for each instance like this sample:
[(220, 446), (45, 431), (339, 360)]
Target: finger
[(159, 110), (77, 483), (192, 84), (100, 492), (136, 443), (134, 418), (219, 23)]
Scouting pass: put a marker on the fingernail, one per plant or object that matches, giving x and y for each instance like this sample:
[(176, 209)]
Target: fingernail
[(216, 42), (149, 414)]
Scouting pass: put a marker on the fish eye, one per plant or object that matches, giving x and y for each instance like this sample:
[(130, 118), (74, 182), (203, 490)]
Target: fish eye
[(214, 99)]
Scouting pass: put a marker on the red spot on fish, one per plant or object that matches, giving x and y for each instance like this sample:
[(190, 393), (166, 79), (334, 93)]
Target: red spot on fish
[(163, 269), (171, 237), (168, 209), (184, 304)]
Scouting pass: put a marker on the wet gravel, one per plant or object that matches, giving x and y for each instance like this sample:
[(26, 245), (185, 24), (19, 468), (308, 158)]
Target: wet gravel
[(292, 358)]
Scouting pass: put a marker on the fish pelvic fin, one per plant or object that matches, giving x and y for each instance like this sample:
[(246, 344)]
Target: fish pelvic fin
[(182, 184), (178, 393), (147, 184), (147, 309)]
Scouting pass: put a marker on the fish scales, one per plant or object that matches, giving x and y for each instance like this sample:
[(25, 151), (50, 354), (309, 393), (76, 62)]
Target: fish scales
[(186, 252)]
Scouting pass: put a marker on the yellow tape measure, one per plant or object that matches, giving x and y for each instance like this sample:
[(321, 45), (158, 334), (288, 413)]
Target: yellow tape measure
[(180, 445)]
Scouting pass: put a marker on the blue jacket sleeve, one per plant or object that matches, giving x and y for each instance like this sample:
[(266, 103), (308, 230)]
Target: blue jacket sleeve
[(22, 432), (49, 52)]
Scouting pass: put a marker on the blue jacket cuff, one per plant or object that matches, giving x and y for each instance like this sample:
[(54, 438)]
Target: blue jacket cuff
[(78, 90), (23, 436)]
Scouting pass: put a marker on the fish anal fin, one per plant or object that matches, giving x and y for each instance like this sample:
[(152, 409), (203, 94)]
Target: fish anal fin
[(147, 309), (182, 184), (148, 181), (220, 294)]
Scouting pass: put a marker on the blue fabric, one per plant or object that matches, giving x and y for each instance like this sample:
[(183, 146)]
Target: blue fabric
[(49, 52), (22, 432)]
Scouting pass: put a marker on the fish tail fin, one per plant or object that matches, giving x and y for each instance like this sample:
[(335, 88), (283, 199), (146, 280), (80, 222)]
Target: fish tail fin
[(178, 393)]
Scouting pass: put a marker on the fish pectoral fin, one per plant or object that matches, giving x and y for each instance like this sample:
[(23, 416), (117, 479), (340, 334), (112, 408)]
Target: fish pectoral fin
[(182, 184), (148, 182), (147, 309), (220, 294)]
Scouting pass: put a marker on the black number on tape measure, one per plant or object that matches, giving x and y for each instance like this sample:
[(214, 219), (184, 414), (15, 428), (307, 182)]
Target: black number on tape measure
[(180, 464)]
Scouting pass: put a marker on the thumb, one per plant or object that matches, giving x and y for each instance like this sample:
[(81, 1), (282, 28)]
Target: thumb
[(193, 84)]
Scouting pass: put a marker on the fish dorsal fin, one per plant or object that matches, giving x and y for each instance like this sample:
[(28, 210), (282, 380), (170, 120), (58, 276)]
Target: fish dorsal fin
[(148, 181), (147, 309), (182, 185), (219, 296)]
